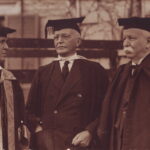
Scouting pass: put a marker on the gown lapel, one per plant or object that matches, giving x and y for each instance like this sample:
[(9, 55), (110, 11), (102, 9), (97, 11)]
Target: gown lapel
[(73, 78)]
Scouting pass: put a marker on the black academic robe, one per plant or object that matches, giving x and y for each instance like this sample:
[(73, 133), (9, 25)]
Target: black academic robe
[(65, 108), (10, 90), (135, 134)]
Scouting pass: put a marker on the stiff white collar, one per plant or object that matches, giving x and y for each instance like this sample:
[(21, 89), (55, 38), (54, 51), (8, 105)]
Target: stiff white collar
[(70, 58)]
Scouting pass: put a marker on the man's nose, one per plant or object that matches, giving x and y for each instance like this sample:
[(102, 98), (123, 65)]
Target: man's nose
[(60, 39), (5, 46), (126, 43)]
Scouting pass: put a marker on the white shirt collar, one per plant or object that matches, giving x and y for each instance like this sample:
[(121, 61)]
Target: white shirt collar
[(69, 58)]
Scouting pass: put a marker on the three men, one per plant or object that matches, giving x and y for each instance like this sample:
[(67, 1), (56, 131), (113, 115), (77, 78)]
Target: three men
[(11, 101), (125, 122), (66, 95)]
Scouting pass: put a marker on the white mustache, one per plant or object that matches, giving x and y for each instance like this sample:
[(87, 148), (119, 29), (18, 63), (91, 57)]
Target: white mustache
[(128, 49)]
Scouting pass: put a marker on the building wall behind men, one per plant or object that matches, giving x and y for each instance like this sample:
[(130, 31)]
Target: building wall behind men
[(98, 16)]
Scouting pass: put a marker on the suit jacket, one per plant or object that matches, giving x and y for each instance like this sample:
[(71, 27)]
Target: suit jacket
[(136, 126), (67, 108)]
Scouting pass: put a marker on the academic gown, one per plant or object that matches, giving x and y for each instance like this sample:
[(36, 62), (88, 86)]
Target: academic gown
[(10, 91), (65, 108), (134, 120)]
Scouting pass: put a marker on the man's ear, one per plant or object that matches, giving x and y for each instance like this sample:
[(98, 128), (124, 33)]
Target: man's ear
[(79, 41), (148, 43)]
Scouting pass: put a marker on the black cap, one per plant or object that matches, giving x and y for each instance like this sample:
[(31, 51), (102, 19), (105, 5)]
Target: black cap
[(135, 22), (5, 30), (64, 23)]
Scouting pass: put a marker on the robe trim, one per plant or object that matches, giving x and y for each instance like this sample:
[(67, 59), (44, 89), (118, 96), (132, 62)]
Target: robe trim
[(6, 79)]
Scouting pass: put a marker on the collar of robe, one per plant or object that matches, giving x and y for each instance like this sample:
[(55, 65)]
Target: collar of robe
[(6, 75)]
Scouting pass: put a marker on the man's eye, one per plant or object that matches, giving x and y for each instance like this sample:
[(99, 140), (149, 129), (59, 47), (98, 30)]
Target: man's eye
[(124, 39), (55, 37), (66, 36), (132, 38)]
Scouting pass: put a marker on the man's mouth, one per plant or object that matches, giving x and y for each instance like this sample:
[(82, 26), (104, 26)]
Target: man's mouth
[(128, 50), (4, 53), (60, 47)]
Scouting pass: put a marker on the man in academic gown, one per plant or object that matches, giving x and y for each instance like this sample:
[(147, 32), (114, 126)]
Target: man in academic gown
[(125, 122), (66, 95), (11, 102)]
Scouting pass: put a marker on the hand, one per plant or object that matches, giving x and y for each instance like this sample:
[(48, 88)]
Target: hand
[(23, 135), (23, 131), (38, 129), (83, 139)]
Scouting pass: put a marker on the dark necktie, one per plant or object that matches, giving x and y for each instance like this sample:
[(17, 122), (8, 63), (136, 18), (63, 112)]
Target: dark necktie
[(65, 70), (134, 69)]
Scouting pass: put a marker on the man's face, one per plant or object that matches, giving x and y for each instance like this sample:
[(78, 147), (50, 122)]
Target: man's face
[(66, 41), (135, 43), (3, 48)]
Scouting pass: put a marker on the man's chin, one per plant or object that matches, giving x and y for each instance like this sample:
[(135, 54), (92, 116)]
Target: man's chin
[(61, 52)]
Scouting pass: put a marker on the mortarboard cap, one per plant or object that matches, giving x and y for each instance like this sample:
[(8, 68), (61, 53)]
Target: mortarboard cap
[(64, 23), (5, 30), (135, 22)]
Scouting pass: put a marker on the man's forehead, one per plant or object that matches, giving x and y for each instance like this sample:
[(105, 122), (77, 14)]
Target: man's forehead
[(65, 31), (136, 31)]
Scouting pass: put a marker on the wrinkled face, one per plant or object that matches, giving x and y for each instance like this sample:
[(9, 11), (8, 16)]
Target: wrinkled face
[(3, 48), (135, 43), (66, 41)]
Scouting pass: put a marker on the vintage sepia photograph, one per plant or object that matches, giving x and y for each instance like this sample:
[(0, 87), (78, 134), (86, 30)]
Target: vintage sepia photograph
[(74, 74)]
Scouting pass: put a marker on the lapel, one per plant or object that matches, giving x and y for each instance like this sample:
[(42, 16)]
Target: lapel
[(73, 78), (115, 91), (56, 77), (6, 79), (145, 65)]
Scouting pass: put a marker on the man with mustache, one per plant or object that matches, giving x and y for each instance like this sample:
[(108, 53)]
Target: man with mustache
[(11, 100), (66, 95), (124, 122)]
